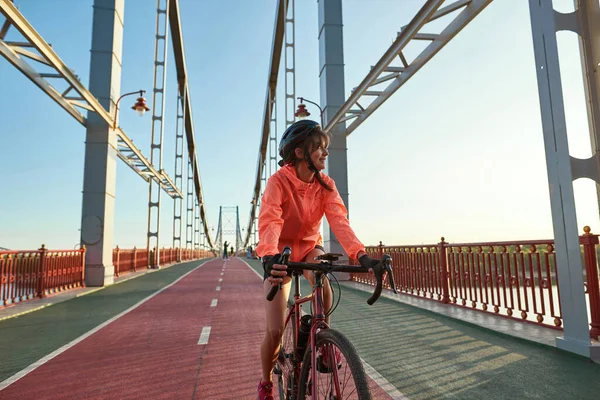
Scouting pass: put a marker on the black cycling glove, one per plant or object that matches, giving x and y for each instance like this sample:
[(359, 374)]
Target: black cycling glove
[(269, 261), (367, 262)]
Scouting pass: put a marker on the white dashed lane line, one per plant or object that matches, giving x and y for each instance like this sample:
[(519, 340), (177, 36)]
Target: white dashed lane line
[(204, 335)]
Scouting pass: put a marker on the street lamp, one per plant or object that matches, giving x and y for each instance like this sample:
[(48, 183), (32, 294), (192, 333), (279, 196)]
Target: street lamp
[(302, 112), (140, 106)]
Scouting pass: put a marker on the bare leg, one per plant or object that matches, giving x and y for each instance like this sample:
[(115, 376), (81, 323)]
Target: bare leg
[(309, 275), (275, 311)]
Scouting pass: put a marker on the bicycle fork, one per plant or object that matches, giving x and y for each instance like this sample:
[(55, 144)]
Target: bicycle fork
[(318, 325)]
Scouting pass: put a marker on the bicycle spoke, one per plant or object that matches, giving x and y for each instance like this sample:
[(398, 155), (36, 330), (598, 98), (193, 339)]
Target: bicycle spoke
[(285, 362), (348, 382)]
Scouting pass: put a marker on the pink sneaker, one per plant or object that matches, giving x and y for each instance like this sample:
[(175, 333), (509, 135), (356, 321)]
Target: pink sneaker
[(265, 390), (323, 359)]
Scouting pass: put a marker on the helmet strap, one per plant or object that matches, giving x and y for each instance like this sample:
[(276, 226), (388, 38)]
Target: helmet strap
[(311, 166)]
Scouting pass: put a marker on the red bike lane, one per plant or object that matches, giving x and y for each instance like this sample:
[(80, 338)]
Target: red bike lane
[(231, 366), (152, 352), (149, 353)]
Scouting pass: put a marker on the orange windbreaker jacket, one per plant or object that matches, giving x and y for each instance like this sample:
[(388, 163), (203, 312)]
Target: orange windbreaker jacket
[(291, 212)]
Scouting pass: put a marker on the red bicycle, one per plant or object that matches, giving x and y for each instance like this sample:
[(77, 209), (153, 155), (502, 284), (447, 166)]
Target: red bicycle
[(310, 347)]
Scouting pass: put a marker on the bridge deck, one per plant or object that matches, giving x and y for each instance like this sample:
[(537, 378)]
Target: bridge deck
[(139, 339)]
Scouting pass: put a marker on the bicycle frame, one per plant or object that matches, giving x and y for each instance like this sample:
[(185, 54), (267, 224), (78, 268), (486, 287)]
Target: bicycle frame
[(318, 319), (318, 323)]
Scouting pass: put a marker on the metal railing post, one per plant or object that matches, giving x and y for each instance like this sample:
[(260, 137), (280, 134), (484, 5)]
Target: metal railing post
[(444, 269), (117, 266), (589, 242), (42, 272)]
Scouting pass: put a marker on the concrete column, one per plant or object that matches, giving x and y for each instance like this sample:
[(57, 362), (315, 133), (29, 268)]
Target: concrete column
[(331, 75), (97, 220), (587, 15), (562, 201)]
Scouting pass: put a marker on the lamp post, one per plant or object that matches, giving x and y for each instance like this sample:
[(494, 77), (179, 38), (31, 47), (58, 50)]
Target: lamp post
[(302, 112), (140, 106)]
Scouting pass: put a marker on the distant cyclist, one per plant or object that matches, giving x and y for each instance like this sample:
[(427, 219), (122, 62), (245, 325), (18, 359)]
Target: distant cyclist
[(293, 204), (225, 256)]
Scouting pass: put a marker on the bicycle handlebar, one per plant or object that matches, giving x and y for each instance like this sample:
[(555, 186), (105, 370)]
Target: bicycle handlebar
[(385, 265), (379, 270)]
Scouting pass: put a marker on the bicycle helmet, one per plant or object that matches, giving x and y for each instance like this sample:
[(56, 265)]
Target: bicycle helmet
[(293, 136)]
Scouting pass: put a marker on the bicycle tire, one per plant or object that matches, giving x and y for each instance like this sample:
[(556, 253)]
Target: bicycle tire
[(286, 358), (336, 338)]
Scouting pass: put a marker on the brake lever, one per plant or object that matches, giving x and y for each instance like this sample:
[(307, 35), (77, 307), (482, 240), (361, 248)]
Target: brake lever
[(385, 265), (386, 260), (285, 257)]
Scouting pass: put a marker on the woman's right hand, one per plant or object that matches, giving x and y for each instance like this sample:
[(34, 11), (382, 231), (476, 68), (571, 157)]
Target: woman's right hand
[(277, 274), (275, 270)]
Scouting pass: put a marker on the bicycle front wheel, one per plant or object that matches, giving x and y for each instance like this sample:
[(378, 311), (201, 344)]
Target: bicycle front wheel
[(347, 381)]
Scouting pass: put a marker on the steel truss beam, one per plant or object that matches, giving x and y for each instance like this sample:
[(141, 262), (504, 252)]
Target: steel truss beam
[(17, 53), (179, 53), (289, 56), (272, 139), (189, 215), (196, 228), (158, 128), (178, 203), (371, 87), (238, 233), (219, 236), (271, 92)]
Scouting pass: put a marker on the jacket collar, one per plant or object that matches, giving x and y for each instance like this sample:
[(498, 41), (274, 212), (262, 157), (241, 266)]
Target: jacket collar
[(290, 172)]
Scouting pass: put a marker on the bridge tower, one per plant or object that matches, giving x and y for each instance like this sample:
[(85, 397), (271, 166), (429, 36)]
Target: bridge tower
[(331, 76), (562, 168), (229, 224), (100, 164)]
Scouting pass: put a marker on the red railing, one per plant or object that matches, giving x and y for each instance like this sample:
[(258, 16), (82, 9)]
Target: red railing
[(37, 273), (131, 260), (27, 274), (504, 278)]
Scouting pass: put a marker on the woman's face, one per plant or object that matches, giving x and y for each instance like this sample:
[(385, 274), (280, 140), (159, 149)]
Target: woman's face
[(319, 154)]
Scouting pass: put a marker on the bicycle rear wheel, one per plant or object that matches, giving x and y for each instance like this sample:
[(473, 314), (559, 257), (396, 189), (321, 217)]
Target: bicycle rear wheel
[(346, 382), (285, 365)]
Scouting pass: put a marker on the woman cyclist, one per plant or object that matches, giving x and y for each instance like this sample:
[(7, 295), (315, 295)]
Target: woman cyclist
[(293, 204)]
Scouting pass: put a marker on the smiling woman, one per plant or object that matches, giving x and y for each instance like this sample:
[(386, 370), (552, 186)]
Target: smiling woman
[(296, 199)]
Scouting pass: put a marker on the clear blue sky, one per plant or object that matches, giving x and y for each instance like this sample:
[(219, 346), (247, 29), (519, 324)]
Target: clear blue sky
[(456, 152)]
